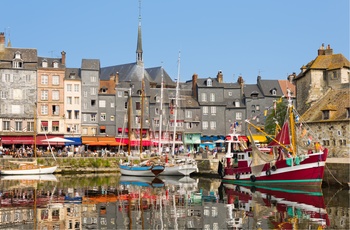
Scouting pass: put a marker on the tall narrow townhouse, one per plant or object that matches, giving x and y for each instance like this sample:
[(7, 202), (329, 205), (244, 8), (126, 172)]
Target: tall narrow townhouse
[(18, 73), (50, 106), (90, 75), (72, 105)]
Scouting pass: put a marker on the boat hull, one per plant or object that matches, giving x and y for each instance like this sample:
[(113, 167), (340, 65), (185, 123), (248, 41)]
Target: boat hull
[(34, 171), (128, 170), (308, 173), (179, 170)]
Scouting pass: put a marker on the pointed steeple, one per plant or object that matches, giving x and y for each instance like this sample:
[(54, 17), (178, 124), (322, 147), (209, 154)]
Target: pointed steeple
[(139, 51)]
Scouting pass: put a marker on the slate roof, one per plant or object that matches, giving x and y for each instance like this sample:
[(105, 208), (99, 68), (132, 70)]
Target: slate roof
[(248, 89), (72, 74), (156, 75), (50, 62), (267, 86), (127, 72), (29, 56), (90, 64), (336, 101)]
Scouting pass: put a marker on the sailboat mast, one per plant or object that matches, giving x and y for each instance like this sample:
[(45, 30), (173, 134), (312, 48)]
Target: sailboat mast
[(129, 121), (176, 102), (292, 123), (35, 128), (161, 116), (142, 105)]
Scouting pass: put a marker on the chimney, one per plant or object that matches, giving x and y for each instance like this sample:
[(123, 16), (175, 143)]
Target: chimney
[(321, 50), (329, 51), (241, 83), (117, 78), (219, 76), (63, 59), (194, 85), (2, 41), (291, 77)]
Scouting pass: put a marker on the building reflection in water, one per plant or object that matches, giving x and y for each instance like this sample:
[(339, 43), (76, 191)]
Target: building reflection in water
[(121, 202)]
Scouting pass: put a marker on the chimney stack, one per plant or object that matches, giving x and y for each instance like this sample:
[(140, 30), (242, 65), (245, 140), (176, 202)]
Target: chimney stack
[(116, 78), (194, 85), (328, 51), (321, 50), (2, 41), (220, 76), (63, 60)]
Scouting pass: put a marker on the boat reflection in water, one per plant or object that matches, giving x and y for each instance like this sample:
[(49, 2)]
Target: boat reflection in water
[(98, 202), (279, 208)]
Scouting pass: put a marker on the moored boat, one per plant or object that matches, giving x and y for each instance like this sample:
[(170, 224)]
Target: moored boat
[(290, 158)]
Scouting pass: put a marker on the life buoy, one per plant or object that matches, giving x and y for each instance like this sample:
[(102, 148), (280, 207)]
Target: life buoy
[(237, 176), (252, 178), (268, 172), (273, 168)]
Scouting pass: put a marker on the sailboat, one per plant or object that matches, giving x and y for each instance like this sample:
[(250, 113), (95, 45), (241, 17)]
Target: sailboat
[(29, 167), (146, 167), (291, 158), (179, 166)]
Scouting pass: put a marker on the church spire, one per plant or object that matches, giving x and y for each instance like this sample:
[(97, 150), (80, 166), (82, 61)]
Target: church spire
[(139, 51)]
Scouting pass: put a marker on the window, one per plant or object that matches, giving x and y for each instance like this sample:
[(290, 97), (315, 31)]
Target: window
[(237, 104), (125, 105), (209, 82), (213, 125), (205, 125), (112, 118), (230, 94), (274, 92), (239, 116), (188, 114), (137, 119), (257, 107), (55, 64), (44, 126), (102, 129), (44, 109), (120, 94), (76, 100), (44, 63), (102, 103), (69, 100), (189, 125), (347, 112), (84, 117), (56, 110), (92, 117), (112, 105), (28, 78), (76, 88), (93, 102), (212, 97), (126, 93), (85, 131), (85, 93), (69, 87), (69, 114), (93, 91), (55, 80), (55, 126), (85, 106), (213, 110), (7, 78), (205, 110), (6, 125), (44, 95), (325, 114), (76, 115), (44, 79), (55, 95), (204, 96), (138, 105), (103, 117), (93, 78), (156, 122), (156, 111), (4, 94)]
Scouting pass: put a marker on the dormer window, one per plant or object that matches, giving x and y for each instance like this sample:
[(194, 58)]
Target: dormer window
[(44, 63), (55, 64), (17, 62), (157, 98), (236, 103), (72, 76), (273, 91), (104, 89), (325, 114), (254, 94), (209, 82)]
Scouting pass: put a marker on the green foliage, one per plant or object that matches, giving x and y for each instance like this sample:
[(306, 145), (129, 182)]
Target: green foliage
[(270, 123)]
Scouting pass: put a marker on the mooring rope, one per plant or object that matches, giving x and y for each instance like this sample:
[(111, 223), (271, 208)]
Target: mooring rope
[(333, 176)]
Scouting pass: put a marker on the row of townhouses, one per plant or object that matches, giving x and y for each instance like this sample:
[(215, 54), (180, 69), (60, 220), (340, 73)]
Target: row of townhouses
[(41, 96)]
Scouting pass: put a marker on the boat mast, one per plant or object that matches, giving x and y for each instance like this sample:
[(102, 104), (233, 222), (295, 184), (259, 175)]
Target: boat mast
[(292, 123), (35, 128), (142, 105), (176, 102), (161, 116), (129, 121)]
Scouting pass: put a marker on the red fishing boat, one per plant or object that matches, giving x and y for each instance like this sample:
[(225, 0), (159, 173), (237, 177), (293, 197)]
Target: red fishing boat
[(290, 158)]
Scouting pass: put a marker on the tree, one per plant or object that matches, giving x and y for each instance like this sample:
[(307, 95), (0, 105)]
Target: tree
[(279, 115)]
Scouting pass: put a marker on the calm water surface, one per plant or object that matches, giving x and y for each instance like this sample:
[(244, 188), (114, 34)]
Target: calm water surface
[(119, 202)]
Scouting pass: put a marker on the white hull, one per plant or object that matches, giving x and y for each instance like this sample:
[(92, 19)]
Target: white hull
[(35, 171), (138, 173), (179, 170)]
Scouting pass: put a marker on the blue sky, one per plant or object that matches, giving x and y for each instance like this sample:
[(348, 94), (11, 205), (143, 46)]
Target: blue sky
[(273, 38)]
